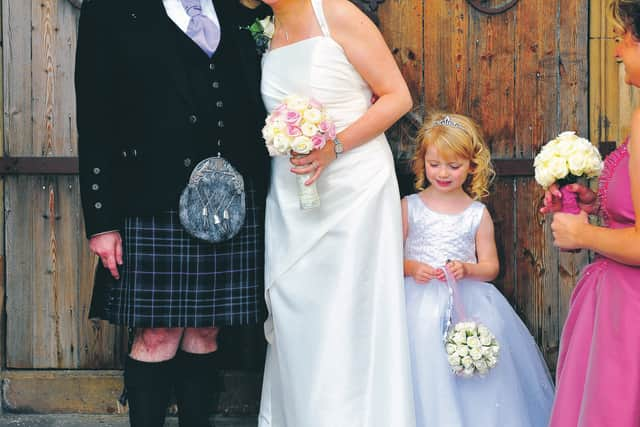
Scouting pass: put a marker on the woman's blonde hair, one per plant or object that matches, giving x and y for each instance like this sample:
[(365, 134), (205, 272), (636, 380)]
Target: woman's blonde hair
[(455, 135)]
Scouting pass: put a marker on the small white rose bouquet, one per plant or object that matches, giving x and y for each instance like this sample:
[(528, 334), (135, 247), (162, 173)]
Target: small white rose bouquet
[(295, 127), (563, 160), (471, 349)]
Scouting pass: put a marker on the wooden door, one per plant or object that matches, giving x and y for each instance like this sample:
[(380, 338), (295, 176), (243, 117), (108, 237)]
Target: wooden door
[(522, 73)]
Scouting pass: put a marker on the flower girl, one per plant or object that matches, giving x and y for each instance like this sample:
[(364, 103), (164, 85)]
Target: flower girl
[(447, 228)]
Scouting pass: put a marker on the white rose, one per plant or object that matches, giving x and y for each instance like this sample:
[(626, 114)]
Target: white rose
[(312, 115), (544, 177), (480, 365), (473, 341), (459, 338), (458, 327), (495, 349), (462, 350), (569, 134), (483, 330), (451, 348), (297, 103), (457, 368), (282, 143), (467, 372), (267, 26), (491, 361), (485, 339), (558, 167), (267, 134), (302, 145), (467, 362), (454, 360), (476, 353), (309, 129)]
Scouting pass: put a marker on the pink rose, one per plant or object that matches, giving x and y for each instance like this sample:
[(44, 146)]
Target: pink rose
[(318, 141), (293, 117), (293, 130), (281, 108), (331, 133), (315, 104), (324, 126)]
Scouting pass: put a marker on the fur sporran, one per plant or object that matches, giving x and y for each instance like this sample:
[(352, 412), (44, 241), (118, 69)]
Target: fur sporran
[(212, 205)]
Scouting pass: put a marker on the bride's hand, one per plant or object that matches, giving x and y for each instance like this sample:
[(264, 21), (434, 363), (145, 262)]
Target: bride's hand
[(314, 162)]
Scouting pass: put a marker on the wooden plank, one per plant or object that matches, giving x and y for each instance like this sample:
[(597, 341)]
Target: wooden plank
[(97, 392), (401, 24), (50, 272), (446, 55), (39, 165), (492, 86)]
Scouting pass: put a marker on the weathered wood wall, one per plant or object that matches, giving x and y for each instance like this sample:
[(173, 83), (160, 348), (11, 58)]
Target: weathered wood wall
[(523, 75), (49, 267)]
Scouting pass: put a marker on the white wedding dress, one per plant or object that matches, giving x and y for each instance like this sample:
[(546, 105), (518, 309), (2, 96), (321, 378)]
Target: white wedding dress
[(337, 335)]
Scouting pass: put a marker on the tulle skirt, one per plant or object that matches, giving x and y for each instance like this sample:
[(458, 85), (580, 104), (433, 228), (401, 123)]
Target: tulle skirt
[(517, 392)]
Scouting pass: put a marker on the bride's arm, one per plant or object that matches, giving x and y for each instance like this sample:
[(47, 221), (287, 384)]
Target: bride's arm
[(368, 52)]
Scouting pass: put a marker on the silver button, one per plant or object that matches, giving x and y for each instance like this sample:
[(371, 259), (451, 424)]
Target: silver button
[(219, 142), (124, 154), (96, 171), (220, 124), (134, 152), (95, 187), (219, 104), (187, 162), (193, 119), (215, 85), (98, 205), (212, 67)]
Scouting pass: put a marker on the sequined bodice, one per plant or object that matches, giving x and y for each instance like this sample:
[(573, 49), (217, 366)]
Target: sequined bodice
[(435, 237)]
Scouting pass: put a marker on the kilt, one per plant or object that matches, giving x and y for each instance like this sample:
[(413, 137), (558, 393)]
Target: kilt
[(171, 279)]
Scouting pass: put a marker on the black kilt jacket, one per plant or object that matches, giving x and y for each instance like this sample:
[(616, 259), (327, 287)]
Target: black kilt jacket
[(141, 122)]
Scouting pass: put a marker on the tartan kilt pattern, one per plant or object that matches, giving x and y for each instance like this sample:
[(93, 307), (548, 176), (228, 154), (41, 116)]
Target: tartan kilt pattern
[(171, 279)]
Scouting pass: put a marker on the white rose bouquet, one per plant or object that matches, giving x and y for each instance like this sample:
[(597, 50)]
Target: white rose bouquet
[(295, 127), (471, 349), (563, 160)]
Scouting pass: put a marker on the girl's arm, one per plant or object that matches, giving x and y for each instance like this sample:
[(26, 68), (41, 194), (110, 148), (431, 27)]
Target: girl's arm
[(369, 54), (488, 265), (622, 245)]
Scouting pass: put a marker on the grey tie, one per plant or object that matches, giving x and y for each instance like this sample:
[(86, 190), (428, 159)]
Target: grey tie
[(202, 30)]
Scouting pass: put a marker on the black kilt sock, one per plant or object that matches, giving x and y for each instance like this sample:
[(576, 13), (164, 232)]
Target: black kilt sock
[(148, 389), (195, 382)]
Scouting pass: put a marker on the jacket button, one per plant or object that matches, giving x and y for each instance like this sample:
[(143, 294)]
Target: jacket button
[(193, 119), (187, 162), (212, 67), (215, 85), (220, 124), (98, 205), (95, 187), (96, 171), (219, 104), (124, 154), (134, 153)]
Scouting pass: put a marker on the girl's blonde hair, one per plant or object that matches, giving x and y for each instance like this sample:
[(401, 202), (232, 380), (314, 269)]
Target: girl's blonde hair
[(455, 135), (626, 16)]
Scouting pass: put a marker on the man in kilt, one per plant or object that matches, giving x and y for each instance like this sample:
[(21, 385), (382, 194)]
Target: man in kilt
[(161, 85)]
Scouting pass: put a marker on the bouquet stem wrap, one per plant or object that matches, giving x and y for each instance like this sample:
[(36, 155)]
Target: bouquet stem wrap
[(569, 201), (307, 194)]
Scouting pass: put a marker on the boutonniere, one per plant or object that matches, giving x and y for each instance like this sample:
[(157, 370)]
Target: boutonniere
[(262, 31)]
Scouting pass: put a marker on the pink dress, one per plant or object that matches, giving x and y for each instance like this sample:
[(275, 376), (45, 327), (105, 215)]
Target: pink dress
[(598, 376)]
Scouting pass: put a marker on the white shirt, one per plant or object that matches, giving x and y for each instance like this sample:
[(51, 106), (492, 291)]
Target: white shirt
[(179, 16)]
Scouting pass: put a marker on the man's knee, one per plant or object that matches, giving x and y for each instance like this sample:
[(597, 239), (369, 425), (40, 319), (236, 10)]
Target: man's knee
[(154, 338), (204, 334)]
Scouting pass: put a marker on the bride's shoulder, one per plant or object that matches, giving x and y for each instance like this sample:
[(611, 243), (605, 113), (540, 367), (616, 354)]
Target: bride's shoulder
[(342, 12)]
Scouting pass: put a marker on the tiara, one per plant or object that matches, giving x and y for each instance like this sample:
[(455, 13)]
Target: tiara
[(447, 122)]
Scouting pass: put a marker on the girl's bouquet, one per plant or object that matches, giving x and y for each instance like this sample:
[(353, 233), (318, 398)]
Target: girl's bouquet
[(471, 349), (295, 127), (563, 160)]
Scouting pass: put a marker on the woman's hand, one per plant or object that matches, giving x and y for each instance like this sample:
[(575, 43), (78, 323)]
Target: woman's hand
[(456, 268), (568, 229), (314, 162), (553, 198)]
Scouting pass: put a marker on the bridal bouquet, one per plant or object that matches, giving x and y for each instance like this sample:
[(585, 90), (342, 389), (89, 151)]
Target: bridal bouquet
[(471, 349), (563, 160), (295, 127)]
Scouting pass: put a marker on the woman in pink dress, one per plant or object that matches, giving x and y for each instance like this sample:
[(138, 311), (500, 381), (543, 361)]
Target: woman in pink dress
[(598, 374)]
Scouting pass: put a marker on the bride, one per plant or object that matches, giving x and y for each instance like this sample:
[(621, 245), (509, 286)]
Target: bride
[(338, 348)]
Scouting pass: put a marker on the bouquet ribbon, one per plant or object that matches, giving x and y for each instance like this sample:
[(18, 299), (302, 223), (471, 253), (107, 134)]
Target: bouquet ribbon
[(455, 305)]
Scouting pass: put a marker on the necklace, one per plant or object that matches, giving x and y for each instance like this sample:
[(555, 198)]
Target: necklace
[(286, 34)]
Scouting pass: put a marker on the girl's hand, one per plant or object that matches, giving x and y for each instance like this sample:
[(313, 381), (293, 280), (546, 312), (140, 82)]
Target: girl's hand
[(553, 198), (314, 162), (457, 269), (567, 229), (421, 273)]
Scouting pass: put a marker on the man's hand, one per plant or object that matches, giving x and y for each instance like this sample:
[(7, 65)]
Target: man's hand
[(108, 246)]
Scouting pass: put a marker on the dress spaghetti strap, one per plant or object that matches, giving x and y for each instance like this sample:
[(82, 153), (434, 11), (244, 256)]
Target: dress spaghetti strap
[(319, 11)]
